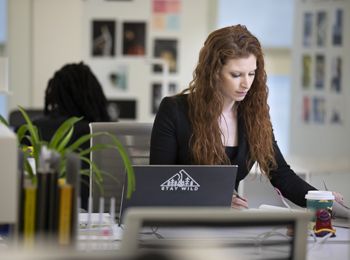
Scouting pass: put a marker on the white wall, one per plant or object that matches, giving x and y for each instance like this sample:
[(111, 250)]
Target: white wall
[(56, 40), (19, 50), (191, 35), (270, 20), (42, 36), (45, 34), (3, 18), (9, 176), (320, 145), (3, 37)]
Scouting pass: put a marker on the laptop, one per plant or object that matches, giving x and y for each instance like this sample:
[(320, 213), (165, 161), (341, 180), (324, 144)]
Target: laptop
[(181, 185)]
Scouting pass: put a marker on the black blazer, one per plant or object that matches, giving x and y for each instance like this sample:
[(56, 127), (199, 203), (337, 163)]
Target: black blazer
[(170, 145)]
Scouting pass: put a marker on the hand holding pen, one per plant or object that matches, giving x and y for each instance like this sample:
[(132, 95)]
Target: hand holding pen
[(239, 202), (338, 197)]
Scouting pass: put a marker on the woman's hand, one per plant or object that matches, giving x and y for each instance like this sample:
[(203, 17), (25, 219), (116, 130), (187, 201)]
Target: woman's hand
[(239, 202), (338, 197)]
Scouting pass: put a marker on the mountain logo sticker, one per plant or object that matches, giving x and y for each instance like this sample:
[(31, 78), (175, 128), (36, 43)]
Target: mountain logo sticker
[(181, 181)]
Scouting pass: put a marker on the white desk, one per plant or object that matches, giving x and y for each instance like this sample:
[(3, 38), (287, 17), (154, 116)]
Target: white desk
[(333, 248), (336, 248)]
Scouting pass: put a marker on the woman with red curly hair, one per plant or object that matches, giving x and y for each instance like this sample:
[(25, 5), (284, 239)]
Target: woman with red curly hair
[(223, 116)]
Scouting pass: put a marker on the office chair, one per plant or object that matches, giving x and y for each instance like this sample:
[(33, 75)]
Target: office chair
[(16, 119), (135, 137)]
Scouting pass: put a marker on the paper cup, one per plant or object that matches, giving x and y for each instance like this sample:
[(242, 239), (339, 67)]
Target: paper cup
[(317, 199), (321, 203)]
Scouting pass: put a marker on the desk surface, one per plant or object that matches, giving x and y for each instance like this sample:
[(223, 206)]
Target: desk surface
[(332, 248)]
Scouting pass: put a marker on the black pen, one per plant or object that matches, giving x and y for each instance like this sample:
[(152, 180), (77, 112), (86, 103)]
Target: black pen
[(238, 196)]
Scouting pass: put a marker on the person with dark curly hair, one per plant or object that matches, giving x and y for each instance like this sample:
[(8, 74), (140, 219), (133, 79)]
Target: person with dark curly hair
[(73, 91), (223, 116)]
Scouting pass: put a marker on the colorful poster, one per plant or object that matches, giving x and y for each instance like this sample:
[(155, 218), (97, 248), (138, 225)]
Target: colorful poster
[(166, 14)]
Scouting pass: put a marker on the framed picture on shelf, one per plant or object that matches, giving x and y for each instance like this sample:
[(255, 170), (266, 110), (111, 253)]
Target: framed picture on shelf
[(166, 49), (156, 97), (121, 109), (172, 88), (103, 38), (321, 28), (307, 29), (306, 72), (306, 113), (118, 77), (337, 109), (320, 70), (134, 38), (337, 29), (319, 109), (336, 74)]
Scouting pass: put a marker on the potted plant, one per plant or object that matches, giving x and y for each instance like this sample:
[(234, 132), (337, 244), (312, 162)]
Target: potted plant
[(60, 142)]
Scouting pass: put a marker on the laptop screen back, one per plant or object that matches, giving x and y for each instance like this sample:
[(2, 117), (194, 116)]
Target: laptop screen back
[(182, 185)]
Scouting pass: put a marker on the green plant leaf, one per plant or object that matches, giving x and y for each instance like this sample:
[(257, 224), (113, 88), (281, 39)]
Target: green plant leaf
[(29, 170), (99, 185), (65, 141), (97, 173), (21, 133), (81, 140), (36, 147), (33, 136), (33, 130), (127, 165), (60, 141), (62, 131), (96, 147), (95, 170), (115, 144), (4, 121)]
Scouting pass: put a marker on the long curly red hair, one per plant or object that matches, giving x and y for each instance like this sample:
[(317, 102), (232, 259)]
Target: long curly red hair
[(206, 100)]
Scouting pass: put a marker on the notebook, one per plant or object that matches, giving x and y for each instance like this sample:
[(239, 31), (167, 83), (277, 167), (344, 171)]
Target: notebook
[(182, 185)]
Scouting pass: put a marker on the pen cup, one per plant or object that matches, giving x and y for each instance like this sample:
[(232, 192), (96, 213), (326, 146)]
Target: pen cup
[(321, 203)]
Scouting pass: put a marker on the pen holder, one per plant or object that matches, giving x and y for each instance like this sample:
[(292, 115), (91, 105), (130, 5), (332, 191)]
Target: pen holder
[(321, 203)]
